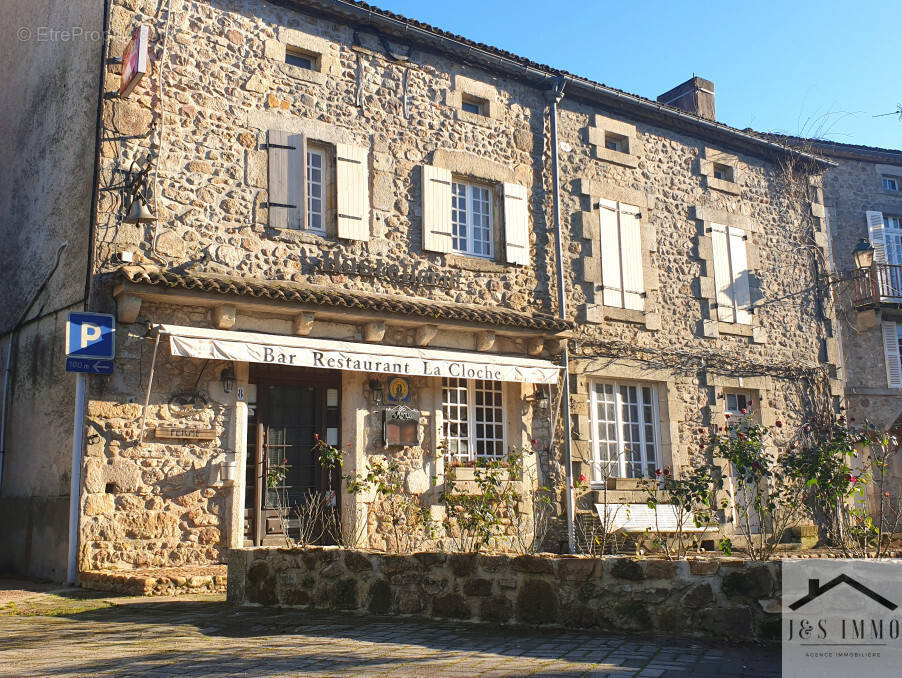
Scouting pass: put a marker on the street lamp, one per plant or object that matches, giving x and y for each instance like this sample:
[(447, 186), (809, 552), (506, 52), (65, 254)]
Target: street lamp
[(227, 377), (863, 254)]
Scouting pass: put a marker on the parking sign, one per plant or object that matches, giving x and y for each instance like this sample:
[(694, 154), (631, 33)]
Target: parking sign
[(91, 335)]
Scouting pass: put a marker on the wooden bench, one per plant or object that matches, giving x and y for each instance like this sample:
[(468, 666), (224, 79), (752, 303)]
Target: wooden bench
[(643, 523)]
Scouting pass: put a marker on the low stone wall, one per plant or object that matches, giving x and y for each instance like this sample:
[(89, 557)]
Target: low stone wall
[(727, 599)]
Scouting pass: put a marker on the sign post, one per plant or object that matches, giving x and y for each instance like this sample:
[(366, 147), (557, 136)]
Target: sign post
[(90, 347)]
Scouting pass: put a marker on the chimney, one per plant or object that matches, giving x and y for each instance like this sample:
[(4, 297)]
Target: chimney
[(695, 96)]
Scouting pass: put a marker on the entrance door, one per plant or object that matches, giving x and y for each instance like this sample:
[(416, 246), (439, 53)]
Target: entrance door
[(291, 493)]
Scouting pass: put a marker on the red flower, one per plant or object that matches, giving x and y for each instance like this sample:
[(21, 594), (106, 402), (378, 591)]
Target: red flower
[(659, 472), (701, 430), (743, 411), (582, 478), (851, 478), (751, 402), (666, 471), (779, 424), (727, 415), (886, 494), (316, 436)]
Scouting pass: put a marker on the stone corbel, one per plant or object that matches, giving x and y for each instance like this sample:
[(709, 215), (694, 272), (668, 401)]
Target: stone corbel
[(485, 341), (127, 308), (535, 345), (303, 323), (425, 334), (374, 331), (224, 316)]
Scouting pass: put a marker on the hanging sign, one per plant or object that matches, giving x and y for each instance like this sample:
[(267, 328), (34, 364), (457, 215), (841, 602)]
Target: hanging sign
[(134, 61), (401, 426)]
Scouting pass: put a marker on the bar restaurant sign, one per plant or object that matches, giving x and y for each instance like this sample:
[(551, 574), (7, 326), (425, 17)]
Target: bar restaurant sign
[(400, 274)]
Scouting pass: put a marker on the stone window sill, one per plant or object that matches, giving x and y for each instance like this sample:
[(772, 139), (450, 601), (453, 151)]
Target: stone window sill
[(475, 118), (302, 237), (305, 74), (722, 185), (735, 328), (625, 315), (478, 264), (616, 157)]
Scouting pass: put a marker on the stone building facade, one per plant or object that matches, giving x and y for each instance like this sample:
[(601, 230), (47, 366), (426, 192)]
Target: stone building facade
[(354, 211)]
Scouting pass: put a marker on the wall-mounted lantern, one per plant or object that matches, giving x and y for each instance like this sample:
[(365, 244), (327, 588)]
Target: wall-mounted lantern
[(227, 377), (377, 393), (863, 255)]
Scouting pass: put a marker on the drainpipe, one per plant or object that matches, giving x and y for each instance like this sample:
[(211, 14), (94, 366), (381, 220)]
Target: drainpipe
[(556, 94)]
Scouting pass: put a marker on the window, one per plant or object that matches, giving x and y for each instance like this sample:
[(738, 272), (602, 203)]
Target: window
[(731, 274), (318, 188), (472, 419), (624, 437), (295, 56), (738, 403), (616, 142), (892, 239), (722, 172), (471, 219), (474, 105), (621, 255), (890, 183), (316, 194)]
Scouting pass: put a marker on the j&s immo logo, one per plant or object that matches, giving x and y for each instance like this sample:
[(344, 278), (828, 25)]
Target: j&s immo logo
[(840, 616)]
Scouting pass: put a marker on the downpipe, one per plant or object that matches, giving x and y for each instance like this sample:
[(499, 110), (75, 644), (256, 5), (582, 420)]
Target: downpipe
[(556, 95)]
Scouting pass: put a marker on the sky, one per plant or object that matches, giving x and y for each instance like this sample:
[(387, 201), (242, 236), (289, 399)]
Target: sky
[(819, 69)]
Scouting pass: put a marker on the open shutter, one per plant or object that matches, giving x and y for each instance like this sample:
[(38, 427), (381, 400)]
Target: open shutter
[(287, 154), (352, 181), (723, 279), (877, 235), (631, 258), (891, 352), (436, 209), (739, 269), (516, 224), (611, 275)]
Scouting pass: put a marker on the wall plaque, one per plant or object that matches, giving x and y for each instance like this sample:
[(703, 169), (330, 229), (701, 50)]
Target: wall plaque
[(401, 426), (191, 433)]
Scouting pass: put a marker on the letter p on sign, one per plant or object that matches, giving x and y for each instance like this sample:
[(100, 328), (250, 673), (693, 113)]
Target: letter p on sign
[(91, 335)]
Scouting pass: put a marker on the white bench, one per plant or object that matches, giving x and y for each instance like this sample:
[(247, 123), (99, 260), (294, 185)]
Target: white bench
[(642, 522)]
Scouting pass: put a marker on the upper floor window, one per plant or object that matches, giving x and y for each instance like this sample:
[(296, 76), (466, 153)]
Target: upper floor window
[(473, 419), (295, 56), (623, 430), (738, 403), (316, 187), (621, 255), (731, 274), (722, 172), (616, 142), (471, 218), (891, 183)]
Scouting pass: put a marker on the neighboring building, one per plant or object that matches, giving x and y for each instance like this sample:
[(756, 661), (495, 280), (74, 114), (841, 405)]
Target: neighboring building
[(344, 196)]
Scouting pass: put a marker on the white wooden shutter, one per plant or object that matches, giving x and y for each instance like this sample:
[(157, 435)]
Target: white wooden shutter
[(611, 275), (877, 235), (891, 352), (516, 224), (287, 164), (352, 179), (739, 271), (436, 209), (723, 279), (631, 258)]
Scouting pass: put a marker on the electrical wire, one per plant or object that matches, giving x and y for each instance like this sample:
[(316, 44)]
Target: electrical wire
[(156, 169)]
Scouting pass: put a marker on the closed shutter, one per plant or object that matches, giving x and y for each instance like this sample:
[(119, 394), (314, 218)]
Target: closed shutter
[(287, 163), (891, 352), (352, 181), (631, 258), (516, 224), (739, 270), (611, 277), (723, 279), (877, 235), (436, 209)]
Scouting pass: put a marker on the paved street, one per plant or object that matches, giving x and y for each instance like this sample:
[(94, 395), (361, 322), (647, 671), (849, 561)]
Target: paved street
[(78, 633)]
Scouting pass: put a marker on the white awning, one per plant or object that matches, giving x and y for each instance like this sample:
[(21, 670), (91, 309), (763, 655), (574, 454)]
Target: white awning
[(273, 349)]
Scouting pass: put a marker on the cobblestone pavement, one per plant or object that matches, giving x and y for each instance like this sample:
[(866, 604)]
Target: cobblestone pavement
[(78, 633)]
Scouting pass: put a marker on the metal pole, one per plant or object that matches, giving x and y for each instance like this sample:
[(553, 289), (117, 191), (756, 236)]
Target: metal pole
[(75, 479), (153, 364), (557, 93)]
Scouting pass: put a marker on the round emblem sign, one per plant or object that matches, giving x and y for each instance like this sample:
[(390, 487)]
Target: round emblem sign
[(398, 390)]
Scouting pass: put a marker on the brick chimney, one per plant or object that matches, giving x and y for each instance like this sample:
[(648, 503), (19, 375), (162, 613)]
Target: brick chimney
[(696, 96)]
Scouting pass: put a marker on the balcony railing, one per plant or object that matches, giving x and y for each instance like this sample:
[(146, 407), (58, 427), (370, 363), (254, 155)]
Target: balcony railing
[(881, 284)]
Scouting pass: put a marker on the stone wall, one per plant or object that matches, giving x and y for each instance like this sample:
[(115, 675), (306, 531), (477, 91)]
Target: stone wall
[(726, 599)]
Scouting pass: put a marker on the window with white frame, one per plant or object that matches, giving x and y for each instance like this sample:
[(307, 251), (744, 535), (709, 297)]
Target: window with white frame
[(892, 348), (891, 183), (316, 194), (621, 255), (624, 431), (471, 219), (472, 419), (738, 403), (892, 235)]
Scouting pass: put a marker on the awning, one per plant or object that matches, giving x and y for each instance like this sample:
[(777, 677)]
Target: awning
[(273, 349)]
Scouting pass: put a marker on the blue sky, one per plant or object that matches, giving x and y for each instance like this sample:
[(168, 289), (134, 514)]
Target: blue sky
[(797, 67)]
